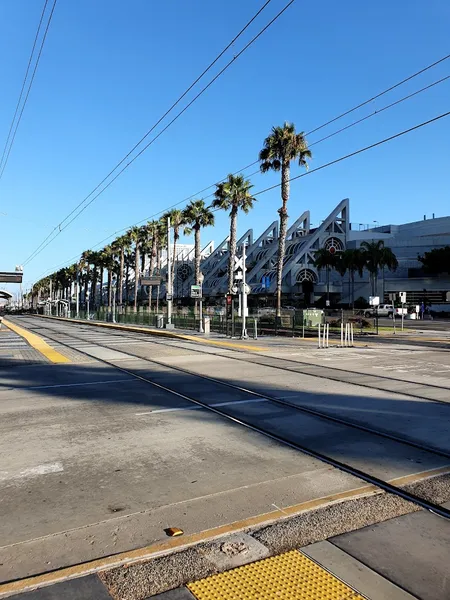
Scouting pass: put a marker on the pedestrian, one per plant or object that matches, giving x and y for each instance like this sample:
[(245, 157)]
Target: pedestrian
[(422, 310)]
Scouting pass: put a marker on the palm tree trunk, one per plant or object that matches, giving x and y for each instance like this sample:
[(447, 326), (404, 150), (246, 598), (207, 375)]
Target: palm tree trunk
[(152, 266), (328, 284), (143, 263), (101, 287), (285, 188), (109, 289), (232, 253), (120, 278), (86, 284), (136, 276), (127, 283), (94, 285), (174, 256), (197, 252)]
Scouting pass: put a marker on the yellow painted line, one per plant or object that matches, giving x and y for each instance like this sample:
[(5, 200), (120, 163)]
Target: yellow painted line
[(290, 575), (158, 332), (177, 544), (38, 343)]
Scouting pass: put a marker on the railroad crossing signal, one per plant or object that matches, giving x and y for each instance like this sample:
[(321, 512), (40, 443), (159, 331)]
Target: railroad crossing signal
[(238, 263)]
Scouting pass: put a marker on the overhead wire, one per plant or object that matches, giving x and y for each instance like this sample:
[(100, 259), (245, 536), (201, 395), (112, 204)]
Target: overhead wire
[(23, 83), (13, 137), (43, 245), (86, 198), (345, 157), (353, 124)]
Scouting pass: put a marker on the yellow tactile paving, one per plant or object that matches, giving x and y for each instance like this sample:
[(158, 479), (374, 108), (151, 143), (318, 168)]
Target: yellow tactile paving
[(38, 344), (289, 576)]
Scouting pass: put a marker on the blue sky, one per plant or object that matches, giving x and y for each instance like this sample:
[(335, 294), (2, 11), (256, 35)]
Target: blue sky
[(109, 69)]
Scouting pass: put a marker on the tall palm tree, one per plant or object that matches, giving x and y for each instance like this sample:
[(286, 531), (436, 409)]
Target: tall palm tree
[(196, 216), (176, 223), (153, 231), (323, 259), (85, 265), (233, 194), (377, 256), (281, 147), (136, 236), (121, 244)]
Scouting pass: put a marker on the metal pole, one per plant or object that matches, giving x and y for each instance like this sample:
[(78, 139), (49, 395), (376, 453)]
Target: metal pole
[(342, 334), (169, 277), (114, 302), (244, 335), (319, 333), (403, 315), (351, 332), (77, 295), (328, 333)]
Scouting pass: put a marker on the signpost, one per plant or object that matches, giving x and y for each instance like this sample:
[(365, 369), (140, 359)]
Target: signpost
[(403, 301), (375, 301)]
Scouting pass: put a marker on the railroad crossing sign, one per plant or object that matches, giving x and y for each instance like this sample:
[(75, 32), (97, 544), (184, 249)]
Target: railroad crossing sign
[(238, 263)]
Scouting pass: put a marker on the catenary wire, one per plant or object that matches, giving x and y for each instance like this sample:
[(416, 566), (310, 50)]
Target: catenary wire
[(59, 227), (23, 83), (356, 152), (5, 162)]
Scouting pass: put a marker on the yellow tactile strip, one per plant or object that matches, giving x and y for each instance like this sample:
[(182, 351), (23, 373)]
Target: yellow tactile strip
[(289, 576), (38, 344)]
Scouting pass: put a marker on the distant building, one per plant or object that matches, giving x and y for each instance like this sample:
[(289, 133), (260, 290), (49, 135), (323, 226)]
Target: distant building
[(305, 284)]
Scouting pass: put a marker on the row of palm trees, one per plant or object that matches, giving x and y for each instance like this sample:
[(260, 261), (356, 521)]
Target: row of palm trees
[(282, 146), (372, 256), (128, 253)]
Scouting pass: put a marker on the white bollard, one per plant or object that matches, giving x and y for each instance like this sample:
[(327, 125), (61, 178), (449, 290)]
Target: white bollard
[(319, 334), (351, 333), (346, 335), (342, 335), (328, 333)]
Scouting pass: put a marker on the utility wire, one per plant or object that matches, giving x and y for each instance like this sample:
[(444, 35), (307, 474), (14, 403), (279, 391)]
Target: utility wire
[(345, 157), (416, 74), (59, 226), (23, 83), (5, 161), (376, 112)]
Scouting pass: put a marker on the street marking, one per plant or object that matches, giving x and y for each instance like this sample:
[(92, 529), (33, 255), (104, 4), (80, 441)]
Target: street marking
[(181, 408), (38, 343), (60, 385), (44, 469)]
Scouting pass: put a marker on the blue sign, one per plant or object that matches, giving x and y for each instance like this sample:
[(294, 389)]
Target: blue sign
[(265, 281)]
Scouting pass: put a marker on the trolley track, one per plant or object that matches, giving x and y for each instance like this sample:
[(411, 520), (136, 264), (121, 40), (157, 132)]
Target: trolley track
[(370, 381), (347, 468)]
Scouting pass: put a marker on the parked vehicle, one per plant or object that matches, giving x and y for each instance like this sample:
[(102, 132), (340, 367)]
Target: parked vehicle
[(383, 310)]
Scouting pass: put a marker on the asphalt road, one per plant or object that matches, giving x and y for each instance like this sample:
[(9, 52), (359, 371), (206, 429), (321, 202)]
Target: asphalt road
[(95, 461)]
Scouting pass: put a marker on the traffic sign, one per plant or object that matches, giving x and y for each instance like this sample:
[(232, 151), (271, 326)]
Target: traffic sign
[(374, 300), (169, 297), (402, 297), (156, 280), (238, 276)]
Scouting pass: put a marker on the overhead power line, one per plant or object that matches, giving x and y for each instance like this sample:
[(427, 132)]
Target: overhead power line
[(353, 124), (12, 135), (44, 244), (341, 158), (60, 227)]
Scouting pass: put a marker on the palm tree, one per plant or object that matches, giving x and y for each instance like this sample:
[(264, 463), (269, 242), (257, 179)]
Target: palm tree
[(176, 222), (377, 256), (85, 265), (233, 194), (136, 237), (196, 216), (324, 259), (351, 260), (282, 146), (122, 244), (153, 230)]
